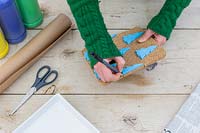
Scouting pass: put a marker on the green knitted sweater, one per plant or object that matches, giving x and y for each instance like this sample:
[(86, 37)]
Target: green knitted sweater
[(165, 21), (93, 30)]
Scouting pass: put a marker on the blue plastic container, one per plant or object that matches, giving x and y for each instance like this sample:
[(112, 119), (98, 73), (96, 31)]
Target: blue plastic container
[(11, 23)]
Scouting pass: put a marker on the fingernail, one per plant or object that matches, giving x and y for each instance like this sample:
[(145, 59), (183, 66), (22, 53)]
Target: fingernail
[(140, 40)]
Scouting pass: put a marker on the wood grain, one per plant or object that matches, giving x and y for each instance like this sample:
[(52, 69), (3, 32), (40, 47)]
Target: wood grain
[(118, 107), (126, 14), (110, 113)]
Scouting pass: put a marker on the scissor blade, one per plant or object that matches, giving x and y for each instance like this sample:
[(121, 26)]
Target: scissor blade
[(24, 100)]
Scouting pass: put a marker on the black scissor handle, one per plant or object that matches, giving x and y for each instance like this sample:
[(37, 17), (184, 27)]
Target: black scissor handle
[(41, 81), (53, 72), (39, 73)]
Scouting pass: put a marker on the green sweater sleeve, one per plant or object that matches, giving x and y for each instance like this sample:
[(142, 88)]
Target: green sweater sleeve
[(92, 28), (165, 21)]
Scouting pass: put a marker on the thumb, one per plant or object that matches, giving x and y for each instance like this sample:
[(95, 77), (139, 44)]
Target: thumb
[(146, 36), (120, 63)]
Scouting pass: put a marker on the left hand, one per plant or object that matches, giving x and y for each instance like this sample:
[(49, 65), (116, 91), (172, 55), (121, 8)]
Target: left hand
[(161, 40), (106, 74)]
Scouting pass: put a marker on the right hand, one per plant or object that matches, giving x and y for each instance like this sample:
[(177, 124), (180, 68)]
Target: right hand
[(105, 73), (161, 40)]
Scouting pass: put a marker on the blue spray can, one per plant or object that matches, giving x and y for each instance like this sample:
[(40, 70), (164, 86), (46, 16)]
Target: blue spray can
[(11, 22)]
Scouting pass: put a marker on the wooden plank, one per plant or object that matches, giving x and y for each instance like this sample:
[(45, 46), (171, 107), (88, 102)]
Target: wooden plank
[(125, 14), (110, 114), (178, 73)]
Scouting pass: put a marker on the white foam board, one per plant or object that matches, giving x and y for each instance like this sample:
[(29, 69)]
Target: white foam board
[(56, 116)]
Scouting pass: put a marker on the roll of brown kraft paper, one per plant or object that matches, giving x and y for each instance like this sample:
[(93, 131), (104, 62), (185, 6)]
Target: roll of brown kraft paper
[(33, 50)]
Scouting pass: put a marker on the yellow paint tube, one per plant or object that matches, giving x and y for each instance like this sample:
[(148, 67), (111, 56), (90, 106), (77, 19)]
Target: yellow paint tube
[(3, 46)]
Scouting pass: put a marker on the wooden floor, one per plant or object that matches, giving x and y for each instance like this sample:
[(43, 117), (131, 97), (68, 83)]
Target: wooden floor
[(142, 103)]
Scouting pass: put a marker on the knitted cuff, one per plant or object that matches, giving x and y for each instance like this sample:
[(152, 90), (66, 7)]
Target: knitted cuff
[(165, 21), (105, 51), (92, 28)]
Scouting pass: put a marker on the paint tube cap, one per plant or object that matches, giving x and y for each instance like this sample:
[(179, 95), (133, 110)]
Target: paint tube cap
[(35, 24)]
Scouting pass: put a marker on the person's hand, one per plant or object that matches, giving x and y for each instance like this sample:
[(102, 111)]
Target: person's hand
[(158, 38), (105, 73)]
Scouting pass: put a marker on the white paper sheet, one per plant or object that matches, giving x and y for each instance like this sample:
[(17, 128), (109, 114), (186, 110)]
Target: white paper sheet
[(187, 120), (56, 116)]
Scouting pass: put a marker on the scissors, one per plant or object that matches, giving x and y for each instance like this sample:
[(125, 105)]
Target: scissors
[(42, 79)]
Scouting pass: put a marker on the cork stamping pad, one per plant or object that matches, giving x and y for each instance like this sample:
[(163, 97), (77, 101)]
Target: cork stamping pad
[(137, 55)]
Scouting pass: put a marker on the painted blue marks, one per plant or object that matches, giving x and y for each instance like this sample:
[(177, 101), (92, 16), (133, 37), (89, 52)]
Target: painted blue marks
[(114, 65), (125, 70), (132, 37), (96, 75), (124, 50), (131, 68), (113, 35), (143, 52), (86, 56)]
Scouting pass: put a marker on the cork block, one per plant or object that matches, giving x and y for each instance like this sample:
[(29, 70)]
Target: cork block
[(137, 55)]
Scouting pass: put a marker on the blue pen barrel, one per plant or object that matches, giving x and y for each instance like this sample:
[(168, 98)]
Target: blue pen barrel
[(11, 23)]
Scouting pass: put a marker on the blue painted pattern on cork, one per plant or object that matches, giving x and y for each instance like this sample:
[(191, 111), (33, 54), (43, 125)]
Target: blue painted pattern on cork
[(11, 22)]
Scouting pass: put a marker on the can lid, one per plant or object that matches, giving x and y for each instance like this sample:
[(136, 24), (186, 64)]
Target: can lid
[(5, 3)]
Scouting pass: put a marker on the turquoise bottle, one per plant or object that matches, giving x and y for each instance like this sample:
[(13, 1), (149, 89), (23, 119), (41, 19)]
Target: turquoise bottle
[(30, 12)]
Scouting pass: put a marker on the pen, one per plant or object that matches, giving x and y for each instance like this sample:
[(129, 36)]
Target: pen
[(113, 69)]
